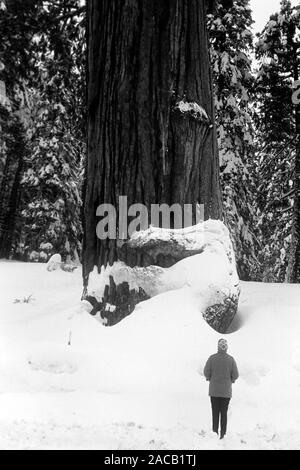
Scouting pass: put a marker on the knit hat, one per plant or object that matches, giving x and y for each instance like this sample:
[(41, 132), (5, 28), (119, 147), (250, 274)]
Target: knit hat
[(222, 345)]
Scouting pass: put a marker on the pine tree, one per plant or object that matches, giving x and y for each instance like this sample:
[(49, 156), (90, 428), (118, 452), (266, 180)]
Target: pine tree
[(47, 91), (52, 178), (50, 209), (231, 47), (14, 58), (277, 159)]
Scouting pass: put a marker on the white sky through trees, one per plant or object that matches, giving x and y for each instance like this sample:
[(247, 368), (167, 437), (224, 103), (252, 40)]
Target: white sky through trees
[(261, 11)]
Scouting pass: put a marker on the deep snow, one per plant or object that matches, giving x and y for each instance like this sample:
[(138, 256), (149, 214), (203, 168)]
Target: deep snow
[(210, 275), (139, 384)]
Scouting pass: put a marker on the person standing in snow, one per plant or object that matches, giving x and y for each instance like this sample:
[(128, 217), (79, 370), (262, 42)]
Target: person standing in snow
[(221, 371)]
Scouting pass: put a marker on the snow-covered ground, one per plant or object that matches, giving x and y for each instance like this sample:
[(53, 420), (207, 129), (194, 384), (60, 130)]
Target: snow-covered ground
[(139, 384)]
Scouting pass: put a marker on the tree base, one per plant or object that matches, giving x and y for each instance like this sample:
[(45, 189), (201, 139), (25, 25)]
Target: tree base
[(200, 257), (220, 316), (118, 302)]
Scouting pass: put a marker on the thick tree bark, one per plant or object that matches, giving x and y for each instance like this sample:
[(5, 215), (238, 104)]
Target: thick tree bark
[(10, 187), (145, 57)]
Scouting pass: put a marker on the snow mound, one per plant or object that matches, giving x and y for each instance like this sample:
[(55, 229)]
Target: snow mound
[(53, 359), (54, 262), (147, 369), (209, 275)]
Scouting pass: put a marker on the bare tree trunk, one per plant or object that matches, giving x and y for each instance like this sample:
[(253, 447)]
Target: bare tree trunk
[(10, 187), (144, 58)]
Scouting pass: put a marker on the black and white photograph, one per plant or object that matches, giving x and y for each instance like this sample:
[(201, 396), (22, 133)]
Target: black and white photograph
[(149, 227)]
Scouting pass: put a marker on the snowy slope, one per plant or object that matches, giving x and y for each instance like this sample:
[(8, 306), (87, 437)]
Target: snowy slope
[(139, 384)]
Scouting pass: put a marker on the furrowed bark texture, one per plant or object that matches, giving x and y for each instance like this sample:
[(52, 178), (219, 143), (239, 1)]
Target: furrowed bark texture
[(144, 57), (10, 188), (151, 131)]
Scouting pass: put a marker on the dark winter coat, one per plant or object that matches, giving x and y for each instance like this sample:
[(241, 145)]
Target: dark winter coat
[(221, 371)]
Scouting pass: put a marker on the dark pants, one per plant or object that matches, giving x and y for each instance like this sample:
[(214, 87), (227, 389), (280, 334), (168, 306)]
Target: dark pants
[(219, 406)]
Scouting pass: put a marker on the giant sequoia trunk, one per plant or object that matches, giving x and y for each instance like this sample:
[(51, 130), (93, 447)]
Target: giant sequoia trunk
[(151, 132)]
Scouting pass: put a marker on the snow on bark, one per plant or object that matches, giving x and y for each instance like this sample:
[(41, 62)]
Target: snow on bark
[(193, 109), (199, 258)]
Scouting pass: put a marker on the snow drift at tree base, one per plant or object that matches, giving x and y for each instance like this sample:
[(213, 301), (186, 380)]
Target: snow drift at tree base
[(158, 260)]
